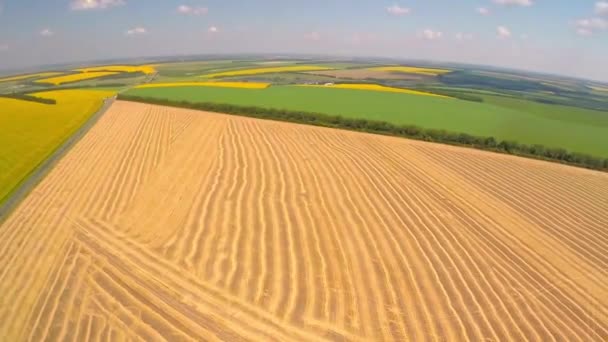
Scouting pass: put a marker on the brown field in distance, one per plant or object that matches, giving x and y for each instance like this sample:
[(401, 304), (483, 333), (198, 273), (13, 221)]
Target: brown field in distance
[(173, 224)]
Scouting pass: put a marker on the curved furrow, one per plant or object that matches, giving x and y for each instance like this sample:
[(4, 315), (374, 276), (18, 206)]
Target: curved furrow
[(176, 194), (469, 261), (74, 334), (42, 330), (199, 216), (131, 175), (85, 331), (453, 250), (547, 191), (570, 241), (145, 164), (547, 196), (173, 286), (282, 296), (135, 323), (439, 269), (242, 281), (116, 171), (239, 235), (224, 224), (42, 303), (360, 313), (323, 310), (307, 294), (27, 275), (271, 261), (436, 195), (345, 307), (114, 157), (499, 245), (376, 199), (62, 319), (368, 243), (154, 318)]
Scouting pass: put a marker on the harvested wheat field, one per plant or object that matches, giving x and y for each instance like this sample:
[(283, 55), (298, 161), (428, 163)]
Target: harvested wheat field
[(172, 224)]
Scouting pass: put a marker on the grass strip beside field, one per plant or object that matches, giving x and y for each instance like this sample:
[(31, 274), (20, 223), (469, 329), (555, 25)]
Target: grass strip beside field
[(76, 77), (270, 70), (385, 128), (244, 85), (374, 87)]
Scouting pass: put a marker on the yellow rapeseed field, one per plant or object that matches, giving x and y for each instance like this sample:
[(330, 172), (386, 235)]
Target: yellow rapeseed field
[(31, 131), (375, 87), (23, 77), (413, 70), (270, 70), (76, 77), (247, 85), (146, 69)]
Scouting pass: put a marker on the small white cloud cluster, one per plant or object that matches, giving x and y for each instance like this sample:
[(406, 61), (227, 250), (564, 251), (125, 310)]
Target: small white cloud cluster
[(430, 34), (464, 36), (84, 5), (398, 10), (589, 26), (189, 10), (482, 10), (601, 8), (136, 31), (503, 32), (524, 3), (46, 32), (213, 29)]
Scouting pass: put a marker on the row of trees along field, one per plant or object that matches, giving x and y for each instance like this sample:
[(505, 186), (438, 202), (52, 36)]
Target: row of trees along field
[(381, 127), (31, 98)]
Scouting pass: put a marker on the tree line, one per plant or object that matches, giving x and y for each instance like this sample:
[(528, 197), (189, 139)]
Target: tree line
[(31, 98), (381, 127)]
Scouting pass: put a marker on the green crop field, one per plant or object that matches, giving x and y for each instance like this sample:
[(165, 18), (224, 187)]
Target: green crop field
[(32, 131), (525, 122)]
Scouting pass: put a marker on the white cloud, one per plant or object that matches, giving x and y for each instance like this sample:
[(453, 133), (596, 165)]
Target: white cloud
[(313, 36), (429, 34), (587, 27), (584, 31), (185, 9), (601, 8), (463, 36), (524, 3), (136, 31), (398, 10), (482, 10), (46, 32), (503, 32), (213, 29), (84, 5)]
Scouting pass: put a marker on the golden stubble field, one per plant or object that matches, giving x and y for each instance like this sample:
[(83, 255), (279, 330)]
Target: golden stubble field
[(172, 224)]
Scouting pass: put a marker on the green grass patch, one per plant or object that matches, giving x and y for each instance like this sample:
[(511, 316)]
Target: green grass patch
[(504, 122)]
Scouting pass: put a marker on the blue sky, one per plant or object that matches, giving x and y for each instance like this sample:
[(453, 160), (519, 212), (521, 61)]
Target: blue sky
[(567, 37)]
